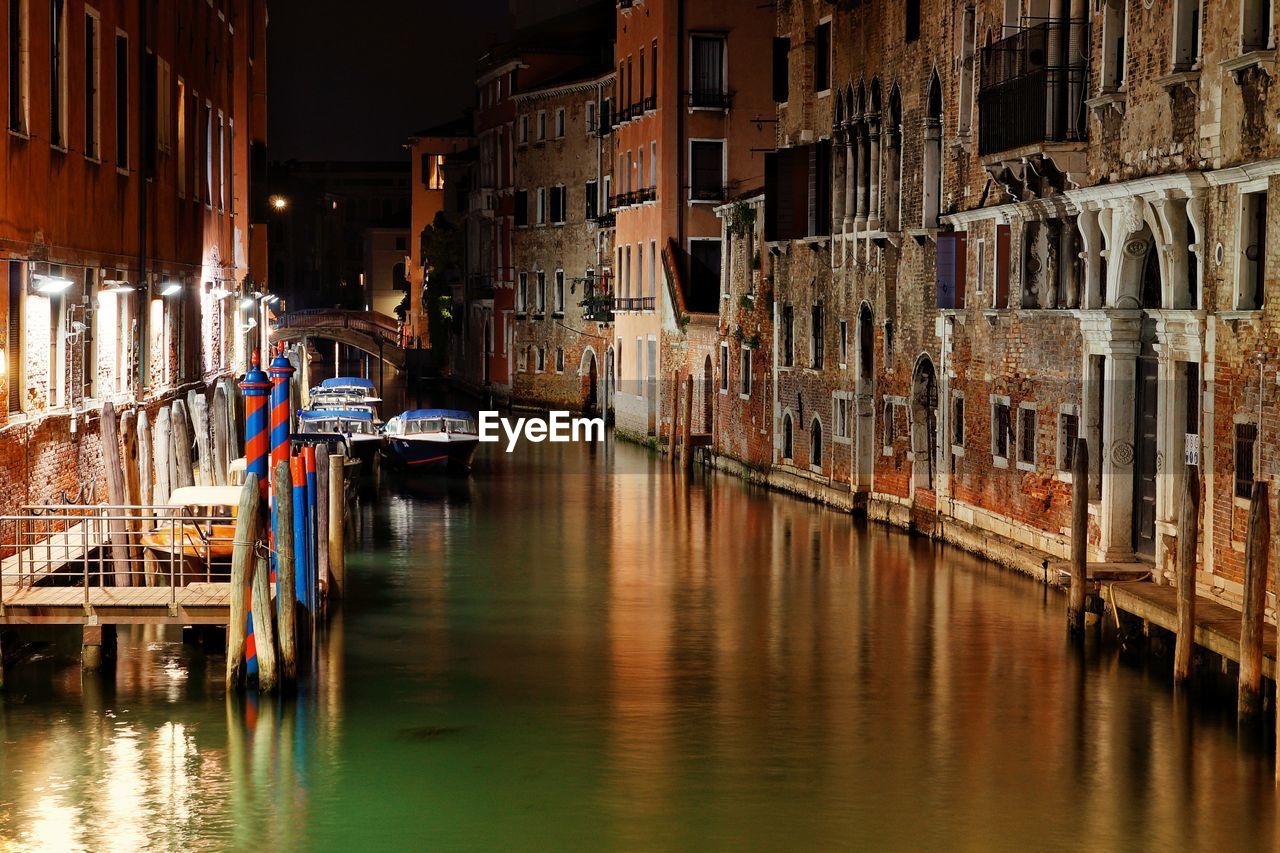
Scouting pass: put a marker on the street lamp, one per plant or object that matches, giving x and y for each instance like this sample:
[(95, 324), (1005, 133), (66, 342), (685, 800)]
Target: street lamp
[(279, 202)]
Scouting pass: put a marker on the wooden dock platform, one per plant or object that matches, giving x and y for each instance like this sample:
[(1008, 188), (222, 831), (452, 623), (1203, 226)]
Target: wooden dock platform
[(194, 604), (1217, 626)]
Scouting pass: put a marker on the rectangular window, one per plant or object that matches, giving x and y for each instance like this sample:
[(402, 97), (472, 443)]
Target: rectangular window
[(557, 205), (559, 295), (522, 293), (744, 372), (542, 292), (1068, 432), (222, 161), (788, 328), (1000, 428), (208, 153), (724, 367), (542, 359), (653, 269), (653, 165), (1253, 251), (523, 137), (640, 269), (1246, 438), (781, 69), (653, 78), (591, 195), (957, 421), (521, 208), (841, 405), (122, 101), (706, 170), (560, 123), (822, 57), (92, 131), (816, 337), (708, 89), (590, 116), (57, 73), (559, 359), (913, 20), (1026, 437), (182, 138), (164, 113), (19, 76), (542, 126), (704, 276)]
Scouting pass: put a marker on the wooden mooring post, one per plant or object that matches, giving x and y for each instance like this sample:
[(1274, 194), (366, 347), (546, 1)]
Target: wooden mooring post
[(242, 559), (181, 473), (285, 577), (1256, 553), (337, 526), (116, 495), (322, 517), (1188, 541), (686, 426), (1079, 539), (263, 631)]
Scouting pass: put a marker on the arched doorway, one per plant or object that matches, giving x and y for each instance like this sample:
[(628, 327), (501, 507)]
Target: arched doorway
[(865, 400), (1146, 402), (708, 394), (786, 436), (589, 379), (924, 423), (815, 443)]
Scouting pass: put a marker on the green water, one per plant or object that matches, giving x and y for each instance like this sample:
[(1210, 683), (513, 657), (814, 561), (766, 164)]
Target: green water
[(576, 651)]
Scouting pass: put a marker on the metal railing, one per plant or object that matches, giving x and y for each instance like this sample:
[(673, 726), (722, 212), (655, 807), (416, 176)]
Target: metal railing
[(633, 303), (1032, 87), (113, 546)]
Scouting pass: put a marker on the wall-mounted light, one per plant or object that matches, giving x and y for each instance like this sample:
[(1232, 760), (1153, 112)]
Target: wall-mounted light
[(270, 299), (50, 284), (118, 286), (219, 293), (246, 303), (170, 289)]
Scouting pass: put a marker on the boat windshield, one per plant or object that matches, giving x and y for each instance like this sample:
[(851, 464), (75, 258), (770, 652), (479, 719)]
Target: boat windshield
[(460, 425), (347, 425), (423, 426)]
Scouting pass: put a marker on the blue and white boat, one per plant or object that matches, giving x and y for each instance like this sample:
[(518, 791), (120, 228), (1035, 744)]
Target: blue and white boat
[(353, 424), (432, 440)]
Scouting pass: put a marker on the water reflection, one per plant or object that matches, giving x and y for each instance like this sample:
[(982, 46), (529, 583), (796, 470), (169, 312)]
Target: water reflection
[(585, 651)]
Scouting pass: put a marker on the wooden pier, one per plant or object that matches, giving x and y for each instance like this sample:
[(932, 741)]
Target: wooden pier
[(1217, 627), (195, 604)]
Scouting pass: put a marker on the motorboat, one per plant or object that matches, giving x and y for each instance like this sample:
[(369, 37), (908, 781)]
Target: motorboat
[(432, 440), (345, 389), (193, 540), (354, 424)]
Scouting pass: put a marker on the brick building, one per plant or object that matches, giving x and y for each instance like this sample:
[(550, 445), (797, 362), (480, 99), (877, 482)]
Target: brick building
[(562, 244), (997, 226), (692, 117), (544, 51), (130, 224)]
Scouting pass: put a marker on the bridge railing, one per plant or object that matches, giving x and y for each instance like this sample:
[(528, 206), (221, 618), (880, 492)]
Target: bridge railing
[(380, 327)]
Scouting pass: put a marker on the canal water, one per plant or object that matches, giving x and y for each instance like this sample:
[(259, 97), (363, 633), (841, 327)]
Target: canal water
[(577, 650)]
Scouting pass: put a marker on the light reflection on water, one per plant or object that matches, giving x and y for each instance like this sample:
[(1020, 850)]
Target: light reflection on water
[(574, 650)]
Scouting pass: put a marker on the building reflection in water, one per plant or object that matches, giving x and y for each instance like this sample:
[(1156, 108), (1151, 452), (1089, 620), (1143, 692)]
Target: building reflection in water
[(580, 649)]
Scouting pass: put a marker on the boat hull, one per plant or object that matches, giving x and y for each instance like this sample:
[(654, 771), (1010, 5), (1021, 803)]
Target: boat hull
[(430, 457)]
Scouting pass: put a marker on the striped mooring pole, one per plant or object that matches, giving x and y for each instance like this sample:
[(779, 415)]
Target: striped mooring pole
[(281, 373), (301, 548), (313, 559), (256, 387)]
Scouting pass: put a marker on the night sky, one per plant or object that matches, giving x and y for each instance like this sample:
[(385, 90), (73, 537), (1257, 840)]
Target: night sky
[(351, 80)]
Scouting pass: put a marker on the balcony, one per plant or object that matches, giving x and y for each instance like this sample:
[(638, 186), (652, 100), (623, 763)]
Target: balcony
[(597, 305), (710, 99), (651, 103), (644, 194), (633, 303), (708, 192), (1032, 88)]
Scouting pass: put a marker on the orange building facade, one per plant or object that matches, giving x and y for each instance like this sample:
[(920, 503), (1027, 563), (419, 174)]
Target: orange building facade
[(132, 250)]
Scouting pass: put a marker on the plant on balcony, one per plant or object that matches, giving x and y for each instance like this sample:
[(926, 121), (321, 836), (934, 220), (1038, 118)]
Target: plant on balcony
[(742, 218), (745, 303), (754, 341)]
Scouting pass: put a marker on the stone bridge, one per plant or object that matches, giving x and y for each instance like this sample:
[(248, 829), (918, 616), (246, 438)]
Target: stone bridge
[(368, 331)]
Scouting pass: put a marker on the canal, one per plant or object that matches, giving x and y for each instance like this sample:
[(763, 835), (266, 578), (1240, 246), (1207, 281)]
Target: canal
[(576, 650)]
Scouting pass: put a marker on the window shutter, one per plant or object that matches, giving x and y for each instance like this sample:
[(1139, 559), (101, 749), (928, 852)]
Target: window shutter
[(1002, 266), (950, 270), (781, 68)]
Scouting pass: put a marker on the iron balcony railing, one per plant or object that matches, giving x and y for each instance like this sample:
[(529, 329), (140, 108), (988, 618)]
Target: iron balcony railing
[(1032, 87), (715, 99), (597, 305), (633, 303)]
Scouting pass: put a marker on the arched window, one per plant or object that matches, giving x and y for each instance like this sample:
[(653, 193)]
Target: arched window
[(815, 443), (893, 163), (786, 436), (931, 203)]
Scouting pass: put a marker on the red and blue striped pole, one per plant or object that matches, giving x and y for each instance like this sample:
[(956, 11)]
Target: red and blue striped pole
[(256, 387), (297, 468), (281, 373), (313, 558)]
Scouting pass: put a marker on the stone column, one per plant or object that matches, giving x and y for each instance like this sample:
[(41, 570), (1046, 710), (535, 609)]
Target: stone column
[(838, 167), (850, 171), (860, 211), (1121, 345), (873, 213), (1091, 250)]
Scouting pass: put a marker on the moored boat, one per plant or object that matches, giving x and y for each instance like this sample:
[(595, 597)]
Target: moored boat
[(432, 440), (353, 423)]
